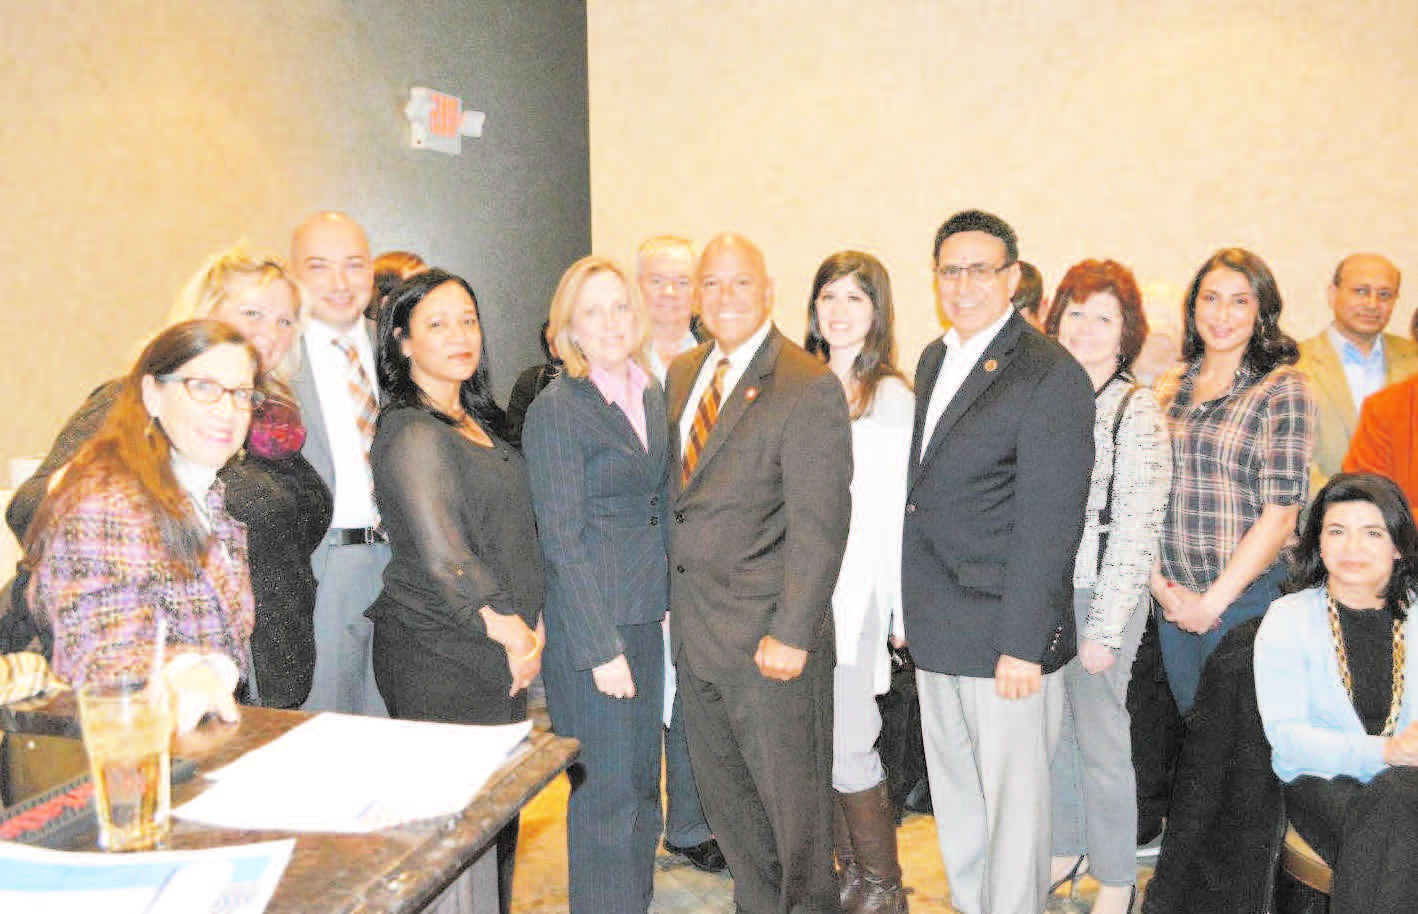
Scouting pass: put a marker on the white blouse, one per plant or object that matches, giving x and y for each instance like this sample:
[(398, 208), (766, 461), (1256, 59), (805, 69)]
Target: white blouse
[(870, 579)]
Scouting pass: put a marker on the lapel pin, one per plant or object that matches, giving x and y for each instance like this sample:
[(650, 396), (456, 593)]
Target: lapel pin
[(751, 394), (991, 365)]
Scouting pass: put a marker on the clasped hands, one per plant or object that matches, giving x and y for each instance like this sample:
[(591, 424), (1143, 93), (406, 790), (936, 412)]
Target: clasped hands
[(1190, 611), (1402, 748), (522, 644)]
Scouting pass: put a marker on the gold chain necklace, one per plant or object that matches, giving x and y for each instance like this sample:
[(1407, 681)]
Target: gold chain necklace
[(1342, 656)]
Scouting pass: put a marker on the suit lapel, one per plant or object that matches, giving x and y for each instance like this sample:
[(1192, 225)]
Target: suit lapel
[(317, 437), (1333, 382), (927, 370), (993, 361), (737, 401), (656, 425)]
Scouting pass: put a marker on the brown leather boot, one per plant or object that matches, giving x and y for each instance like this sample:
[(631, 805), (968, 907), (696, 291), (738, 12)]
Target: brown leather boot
[(849, 875), (872, 829)]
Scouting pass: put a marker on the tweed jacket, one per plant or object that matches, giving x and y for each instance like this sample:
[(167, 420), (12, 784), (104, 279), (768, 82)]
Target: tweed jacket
[(105, 573)]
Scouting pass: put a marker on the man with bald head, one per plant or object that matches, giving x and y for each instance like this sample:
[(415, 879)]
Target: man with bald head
[(339, 400), (1353, 357), (761, 508)]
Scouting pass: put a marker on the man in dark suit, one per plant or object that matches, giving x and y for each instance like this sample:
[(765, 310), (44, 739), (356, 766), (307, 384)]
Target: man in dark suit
[(1001, 460), (330, 256), (761, 509)]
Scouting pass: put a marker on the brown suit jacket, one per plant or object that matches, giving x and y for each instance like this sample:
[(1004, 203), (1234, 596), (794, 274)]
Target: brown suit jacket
[(757, 534), (1337, 418)]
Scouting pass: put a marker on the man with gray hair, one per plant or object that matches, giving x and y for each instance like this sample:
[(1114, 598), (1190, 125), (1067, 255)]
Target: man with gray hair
[(664, 268)]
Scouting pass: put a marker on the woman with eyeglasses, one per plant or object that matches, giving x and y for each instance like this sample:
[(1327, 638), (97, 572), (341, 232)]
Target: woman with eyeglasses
[(270, 487), (136, 530)]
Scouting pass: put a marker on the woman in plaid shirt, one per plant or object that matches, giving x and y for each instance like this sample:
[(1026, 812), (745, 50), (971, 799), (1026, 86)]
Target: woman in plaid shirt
[(1242, 425)]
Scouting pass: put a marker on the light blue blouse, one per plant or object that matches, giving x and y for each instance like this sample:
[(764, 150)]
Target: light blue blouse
[(1310, 721)]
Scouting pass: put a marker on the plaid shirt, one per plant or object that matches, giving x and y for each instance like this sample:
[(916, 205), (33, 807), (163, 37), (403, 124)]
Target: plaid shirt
[(1231, 456), (105, 570)]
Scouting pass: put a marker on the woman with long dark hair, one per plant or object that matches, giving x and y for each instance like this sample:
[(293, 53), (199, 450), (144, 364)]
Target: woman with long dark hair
[(1241, 420), (851, 327), (457, 627), (1097, 315), (1332, 667), (137, 531)]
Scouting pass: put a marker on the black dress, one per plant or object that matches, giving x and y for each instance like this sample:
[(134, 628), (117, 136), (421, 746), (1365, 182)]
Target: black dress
[(459, 520), (286, 508)]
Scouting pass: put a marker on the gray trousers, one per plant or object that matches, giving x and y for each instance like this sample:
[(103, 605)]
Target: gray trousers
[(1094, 788), (349, 579), (856, 719), (987, 759)]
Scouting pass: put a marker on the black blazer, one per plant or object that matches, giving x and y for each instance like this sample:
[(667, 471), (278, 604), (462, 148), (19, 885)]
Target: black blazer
[(759, 529), (600, 504), (995, 509)]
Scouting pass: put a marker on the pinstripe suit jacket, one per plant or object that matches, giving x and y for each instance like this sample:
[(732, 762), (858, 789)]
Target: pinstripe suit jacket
[(599, 499)]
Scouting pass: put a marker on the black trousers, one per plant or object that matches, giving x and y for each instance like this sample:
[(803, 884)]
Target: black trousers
[(1368, 833), (762, 757), (423, 678)]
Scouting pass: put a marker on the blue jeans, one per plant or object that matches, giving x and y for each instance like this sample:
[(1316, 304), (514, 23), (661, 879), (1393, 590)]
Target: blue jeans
[(1184, 654)]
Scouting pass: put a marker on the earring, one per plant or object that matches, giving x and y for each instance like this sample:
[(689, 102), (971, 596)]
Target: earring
[(150, 430)]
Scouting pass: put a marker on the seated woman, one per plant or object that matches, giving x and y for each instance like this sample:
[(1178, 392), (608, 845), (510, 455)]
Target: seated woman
[(271, 488), (137, 529), (1331, 664), (457, 628)]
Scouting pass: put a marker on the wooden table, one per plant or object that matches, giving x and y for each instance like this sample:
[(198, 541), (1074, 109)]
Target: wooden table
[(394, 870)]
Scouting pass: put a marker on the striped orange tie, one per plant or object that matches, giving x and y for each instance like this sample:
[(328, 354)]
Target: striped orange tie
[(704, 418)]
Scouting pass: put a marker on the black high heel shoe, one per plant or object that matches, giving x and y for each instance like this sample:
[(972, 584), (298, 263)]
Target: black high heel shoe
[(1072, 876)]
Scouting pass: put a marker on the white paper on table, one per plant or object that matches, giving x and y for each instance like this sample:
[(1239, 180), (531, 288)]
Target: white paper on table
[(36, 880), (343, 773)]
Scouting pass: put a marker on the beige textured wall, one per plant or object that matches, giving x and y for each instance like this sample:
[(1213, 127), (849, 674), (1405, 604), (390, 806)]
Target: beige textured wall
[(1150, 132), (141, 135)]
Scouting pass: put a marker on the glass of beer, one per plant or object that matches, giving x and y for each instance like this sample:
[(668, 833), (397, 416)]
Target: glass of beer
[(127, 724)]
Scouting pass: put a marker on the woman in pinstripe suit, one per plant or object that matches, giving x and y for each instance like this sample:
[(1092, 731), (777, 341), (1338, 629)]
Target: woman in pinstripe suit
[(596, 444)]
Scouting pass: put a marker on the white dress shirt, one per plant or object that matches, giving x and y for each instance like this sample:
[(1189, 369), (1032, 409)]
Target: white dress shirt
[(661, 369), (354, 498), (738, 364), (960, 359)]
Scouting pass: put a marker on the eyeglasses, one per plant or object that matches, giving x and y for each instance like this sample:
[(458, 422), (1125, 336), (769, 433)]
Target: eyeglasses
[(978, 272), (206, 391), (657, 282)]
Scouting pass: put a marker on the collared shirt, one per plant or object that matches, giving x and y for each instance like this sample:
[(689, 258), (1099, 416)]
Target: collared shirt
[(1364, 372), (1231, 456), (354, 498), (627, 393), (661, 369), (960, 359), (738, 364)]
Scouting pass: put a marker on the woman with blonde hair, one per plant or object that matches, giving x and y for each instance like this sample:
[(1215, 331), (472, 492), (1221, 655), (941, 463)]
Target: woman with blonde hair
[(597, 448), (270, 488)]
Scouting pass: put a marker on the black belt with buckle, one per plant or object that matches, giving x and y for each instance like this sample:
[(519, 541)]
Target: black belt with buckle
[(356, 536)]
